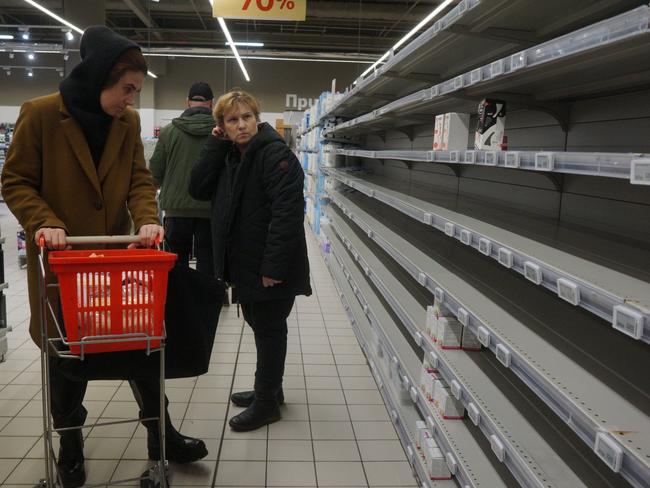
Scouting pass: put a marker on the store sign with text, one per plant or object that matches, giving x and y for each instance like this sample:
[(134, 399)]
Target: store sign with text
[(295, 10), (294, 102)]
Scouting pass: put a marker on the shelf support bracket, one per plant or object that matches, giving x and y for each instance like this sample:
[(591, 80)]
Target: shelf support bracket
[(408, 131), (559, 111)]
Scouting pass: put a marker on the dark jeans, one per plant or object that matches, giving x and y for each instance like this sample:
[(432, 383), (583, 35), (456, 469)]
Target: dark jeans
[(184, 234), (67, 398), (269, 323)]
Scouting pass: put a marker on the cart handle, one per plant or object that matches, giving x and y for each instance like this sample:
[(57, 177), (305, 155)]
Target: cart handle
[(125, 239)]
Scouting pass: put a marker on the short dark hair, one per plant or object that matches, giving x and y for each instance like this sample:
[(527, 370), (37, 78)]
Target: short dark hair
[(130, 60)]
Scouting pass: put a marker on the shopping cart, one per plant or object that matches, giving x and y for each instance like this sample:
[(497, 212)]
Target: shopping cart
[(111, 300)]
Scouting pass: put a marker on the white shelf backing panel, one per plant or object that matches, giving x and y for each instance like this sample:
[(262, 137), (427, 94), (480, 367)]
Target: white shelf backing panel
[(600, 289), (587, 405), (526, 451), (610, 165), (472, 467), (568, 66), (462, 40), (361, 327)]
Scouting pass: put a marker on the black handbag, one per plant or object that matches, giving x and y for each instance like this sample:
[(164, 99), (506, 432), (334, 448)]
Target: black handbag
[(192, 309)]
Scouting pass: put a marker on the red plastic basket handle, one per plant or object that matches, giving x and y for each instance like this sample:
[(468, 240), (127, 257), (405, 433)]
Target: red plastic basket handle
[(83, 240)]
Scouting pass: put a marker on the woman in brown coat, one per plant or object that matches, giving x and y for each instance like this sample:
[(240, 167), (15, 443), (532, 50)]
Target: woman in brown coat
[(76, 167)]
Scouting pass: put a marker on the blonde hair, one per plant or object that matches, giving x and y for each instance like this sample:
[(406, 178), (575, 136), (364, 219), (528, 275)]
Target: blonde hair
[(235, 97)]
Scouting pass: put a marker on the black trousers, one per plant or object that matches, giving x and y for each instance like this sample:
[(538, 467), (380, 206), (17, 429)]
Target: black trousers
[(269, 323), (67, 398), (186, 234)]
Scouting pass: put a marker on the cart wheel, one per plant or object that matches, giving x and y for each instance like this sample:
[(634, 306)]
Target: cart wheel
[(151, 477), (41, 484)]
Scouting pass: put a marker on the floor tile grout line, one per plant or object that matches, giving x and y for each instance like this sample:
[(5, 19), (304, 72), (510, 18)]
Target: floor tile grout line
[(232, 385)]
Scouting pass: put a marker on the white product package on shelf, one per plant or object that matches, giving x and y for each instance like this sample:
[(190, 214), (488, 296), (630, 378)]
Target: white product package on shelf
[(469, 341), (436, 464), (437, 132), (421, 433), (428, 376), (431, 326), (447, 405), (455, 133), (450, 332), (491, 125)]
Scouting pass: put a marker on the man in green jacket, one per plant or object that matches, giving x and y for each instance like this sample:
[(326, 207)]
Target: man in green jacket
[(187, 221)]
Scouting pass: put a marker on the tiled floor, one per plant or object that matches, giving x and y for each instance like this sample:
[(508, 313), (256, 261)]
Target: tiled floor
[(335, 431)]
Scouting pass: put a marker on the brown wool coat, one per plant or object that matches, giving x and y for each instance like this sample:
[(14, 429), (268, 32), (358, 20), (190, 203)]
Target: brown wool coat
[(49, 180)]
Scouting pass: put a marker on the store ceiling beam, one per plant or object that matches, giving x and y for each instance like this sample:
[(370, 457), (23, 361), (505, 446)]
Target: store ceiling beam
[(137, 8)]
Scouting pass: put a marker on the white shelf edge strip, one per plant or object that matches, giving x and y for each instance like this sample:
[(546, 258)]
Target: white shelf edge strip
[(631, 320), (609, 165), (439, 432), (632, 468), (514, 460)]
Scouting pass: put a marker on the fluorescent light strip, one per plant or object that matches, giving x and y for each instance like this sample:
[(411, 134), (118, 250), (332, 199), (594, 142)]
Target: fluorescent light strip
[(258, 58), (247, 44), (66, 23), (226, 32), (7, 37), (54, 16), (410, 34), (222, 23)]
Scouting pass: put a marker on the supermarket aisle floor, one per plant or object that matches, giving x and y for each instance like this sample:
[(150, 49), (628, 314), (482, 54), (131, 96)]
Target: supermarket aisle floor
[(335, 429)]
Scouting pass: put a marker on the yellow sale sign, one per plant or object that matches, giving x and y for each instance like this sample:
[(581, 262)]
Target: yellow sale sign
[(261, 9)]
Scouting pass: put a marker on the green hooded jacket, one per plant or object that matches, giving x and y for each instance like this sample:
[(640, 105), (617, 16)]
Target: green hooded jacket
[(171, 164)]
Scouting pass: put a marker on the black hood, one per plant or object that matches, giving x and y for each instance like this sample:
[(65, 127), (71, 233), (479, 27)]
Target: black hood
[(100, 48)]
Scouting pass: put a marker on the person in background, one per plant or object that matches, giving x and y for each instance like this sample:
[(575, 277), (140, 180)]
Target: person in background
[(76, 167), (255, 184), (187, 221)]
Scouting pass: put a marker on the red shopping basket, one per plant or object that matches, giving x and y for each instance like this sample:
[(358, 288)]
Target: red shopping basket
[(112, 300)]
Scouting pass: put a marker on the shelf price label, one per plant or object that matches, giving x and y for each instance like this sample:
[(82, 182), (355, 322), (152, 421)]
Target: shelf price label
[(261, 9)]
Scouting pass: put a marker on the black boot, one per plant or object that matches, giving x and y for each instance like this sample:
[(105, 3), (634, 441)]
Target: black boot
[(70, 464), (180, 449), (245, 398), (260, 413)]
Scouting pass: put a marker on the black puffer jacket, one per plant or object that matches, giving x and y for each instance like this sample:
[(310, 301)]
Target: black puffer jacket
[(257, 215)]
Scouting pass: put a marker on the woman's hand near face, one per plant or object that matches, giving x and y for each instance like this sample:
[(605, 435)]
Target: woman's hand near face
[(55, 239), (219, 133)]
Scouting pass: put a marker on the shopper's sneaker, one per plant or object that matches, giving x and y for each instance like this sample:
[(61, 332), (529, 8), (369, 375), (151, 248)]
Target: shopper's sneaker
[(245, 398), (180, 449), (257, 415), (70, 464)]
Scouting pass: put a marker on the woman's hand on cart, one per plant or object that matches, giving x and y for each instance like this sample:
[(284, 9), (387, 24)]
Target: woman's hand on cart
[(150, 235), (53, 238)]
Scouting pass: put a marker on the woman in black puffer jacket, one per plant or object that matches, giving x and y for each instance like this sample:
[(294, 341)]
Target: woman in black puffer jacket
[(255, 184)]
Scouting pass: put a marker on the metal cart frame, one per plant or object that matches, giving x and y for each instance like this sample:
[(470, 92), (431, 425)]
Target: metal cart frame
[(60, 347)]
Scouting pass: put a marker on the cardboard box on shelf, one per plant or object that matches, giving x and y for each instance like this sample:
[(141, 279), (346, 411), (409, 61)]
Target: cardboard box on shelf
[(455, 132), (491, 125)]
